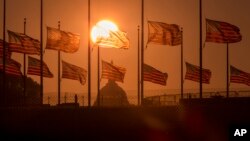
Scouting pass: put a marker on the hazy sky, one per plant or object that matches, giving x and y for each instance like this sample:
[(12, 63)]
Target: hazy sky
[(127, 15)]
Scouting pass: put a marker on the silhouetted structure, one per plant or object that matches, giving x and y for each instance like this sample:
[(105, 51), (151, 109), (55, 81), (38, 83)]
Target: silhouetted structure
[(14, 91), (112, 95)]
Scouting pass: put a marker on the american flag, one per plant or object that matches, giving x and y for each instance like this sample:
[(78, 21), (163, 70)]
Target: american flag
[(34, 68), (163, 33), (239, 76), (112, 72), (61, 40), (70, 71), (222, 32), (12, 67), (7, 53), (21, 43), (117, 39), (155, 76), (193, 73)]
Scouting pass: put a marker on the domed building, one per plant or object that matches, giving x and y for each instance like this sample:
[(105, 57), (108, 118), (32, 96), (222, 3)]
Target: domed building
[(112, 95)]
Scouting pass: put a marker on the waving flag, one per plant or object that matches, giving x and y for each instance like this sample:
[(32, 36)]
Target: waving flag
[(70, 71), (61, 40), (193, 73), (21, 43), (7, 53), (116, 39), (239, 76), (164, 34), (34, 68), (112, 72), (155, 76), (222, 32), (12, 67)]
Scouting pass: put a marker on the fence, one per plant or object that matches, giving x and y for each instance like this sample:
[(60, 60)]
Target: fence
[(173, 99), (158, 100)]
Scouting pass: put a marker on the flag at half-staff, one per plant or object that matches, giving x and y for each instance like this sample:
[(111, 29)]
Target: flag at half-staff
[(164, 34), (34, 66), (239, 76), (61, 40), (193, 73), (222, 32), (12, 67), (109, 36), (112, 72), (153, 75), (116, 39), (70, 71), (21, 43), (7, 52)]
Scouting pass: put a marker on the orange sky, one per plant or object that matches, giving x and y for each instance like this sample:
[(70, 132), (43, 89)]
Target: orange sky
[(127, 15)]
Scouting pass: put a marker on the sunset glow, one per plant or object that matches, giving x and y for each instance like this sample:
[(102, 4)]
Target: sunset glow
[(101, 29)]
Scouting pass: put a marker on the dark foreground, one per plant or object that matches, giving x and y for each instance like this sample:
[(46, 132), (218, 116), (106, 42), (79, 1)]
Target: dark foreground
[(207, 120)]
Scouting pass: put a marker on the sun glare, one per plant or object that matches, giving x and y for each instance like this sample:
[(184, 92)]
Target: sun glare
[(102, 29)]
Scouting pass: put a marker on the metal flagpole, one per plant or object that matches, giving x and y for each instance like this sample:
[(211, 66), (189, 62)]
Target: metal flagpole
[(98, 76), (142, 51), (227, 70), (59, 70), (200, 48), (89, 58), (4, 52), (181, 63), (24, 62), (41, 53), (138, 83)]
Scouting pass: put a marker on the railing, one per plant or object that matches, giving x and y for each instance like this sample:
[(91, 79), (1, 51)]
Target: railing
[(173, 99), (130, 99)]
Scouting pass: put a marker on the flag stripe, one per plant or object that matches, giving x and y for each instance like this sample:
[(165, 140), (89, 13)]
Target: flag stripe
[(116, 39), (112, 72), (21, 43), (222, 32), (239, 76), (155, 76), (164, 34), (61, 40), (193, 74), (34, 68), (73, 72), (12, 67)]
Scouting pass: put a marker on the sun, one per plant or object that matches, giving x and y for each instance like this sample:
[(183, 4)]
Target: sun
[(102, 29)]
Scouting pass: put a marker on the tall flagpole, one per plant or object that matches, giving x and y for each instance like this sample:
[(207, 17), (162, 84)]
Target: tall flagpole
[(24, 62), (59, 70), (227, 70), (4, 52), (200, 48), (41, 53), (142, 51), (139, 76), (98, 76), (181, 63), (89, 57)]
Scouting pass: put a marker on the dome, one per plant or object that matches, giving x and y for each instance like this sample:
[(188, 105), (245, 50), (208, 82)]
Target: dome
[(112, 95)]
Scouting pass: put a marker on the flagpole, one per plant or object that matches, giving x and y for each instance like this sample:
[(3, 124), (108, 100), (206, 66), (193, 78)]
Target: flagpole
[(24, 62), (227, 70), (142, 51), (41, 53), (200, 48), (4, 52), (98, 76), (138, 83), (89, 57), (59, 70), (181, 63)]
